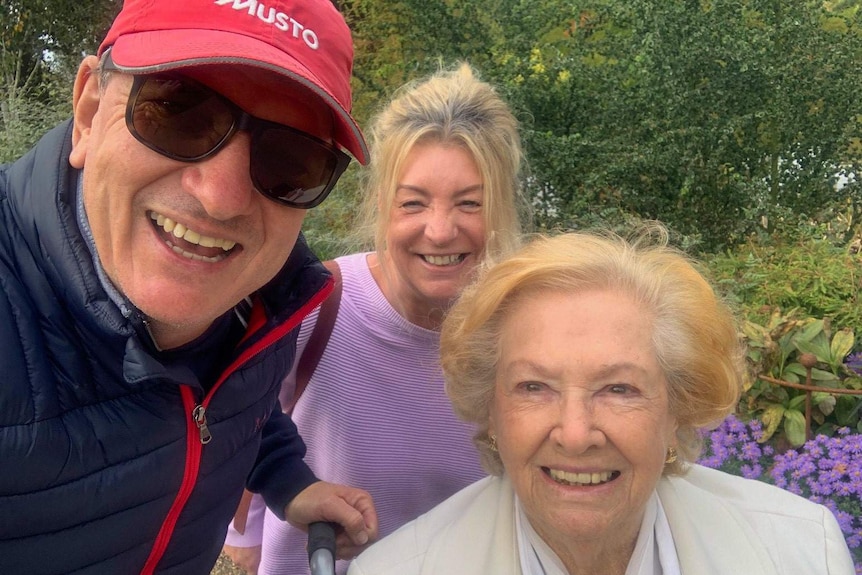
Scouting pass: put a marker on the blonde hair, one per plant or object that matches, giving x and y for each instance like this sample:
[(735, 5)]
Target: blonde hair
[(694, 333), (451, 107)]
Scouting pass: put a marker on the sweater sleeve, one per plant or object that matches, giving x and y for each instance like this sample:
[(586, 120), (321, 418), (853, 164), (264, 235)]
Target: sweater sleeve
[(280, 473)]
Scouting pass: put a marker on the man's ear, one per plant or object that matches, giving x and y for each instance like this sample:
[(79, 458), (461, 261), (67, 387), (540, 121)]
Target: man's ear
[(85, 104)]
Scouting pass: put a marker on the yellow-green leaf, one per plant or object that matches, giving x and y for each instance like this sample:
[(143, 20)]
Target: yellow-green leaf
[(835, 24), (794, 427), (842, 343), (771, 418)]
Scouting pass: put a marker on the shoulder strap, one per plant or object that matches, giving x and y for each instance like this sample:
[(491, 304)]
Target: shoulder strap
[(313, 351), (304, 369)]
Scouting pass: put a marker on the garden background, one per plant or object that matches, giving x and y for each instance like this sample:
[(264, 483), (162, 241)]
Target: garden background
[(737, 123)]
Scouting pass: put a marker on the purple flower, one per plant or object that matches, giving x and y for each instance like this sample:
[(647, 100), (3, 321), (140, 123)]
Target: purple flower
[(854, 362), (752, 471), (751, 451)]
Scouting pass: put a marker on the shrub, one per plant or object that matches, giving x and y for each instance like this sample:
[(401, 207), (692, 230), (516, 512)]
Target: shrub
[(791, 289), (809, 274), (777, 350)]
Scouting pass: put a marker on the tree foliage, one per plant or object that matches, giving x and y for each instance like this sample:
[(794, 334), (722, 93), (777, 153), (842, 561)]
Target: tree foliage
[(720, 117), (716, 116), (41, 43)]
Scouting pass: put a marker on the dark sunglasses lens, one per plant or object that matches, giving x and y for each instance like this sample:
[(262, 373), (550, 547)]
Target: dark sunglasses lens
[(179, 118), (294, 169)]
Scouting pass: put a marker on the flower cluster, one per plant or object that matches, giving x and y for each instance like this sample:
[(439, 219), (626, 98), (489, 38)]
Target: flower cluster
[(826, 470), (854, 363), (734, 447)]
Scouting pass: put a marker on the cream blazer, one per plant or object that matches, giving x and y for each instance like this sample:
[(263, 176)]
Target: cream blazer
[(721, 525)]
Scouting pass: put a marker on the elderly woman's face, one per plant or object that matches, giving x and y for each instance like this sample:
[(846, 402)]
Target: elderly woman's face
[(581, 413)]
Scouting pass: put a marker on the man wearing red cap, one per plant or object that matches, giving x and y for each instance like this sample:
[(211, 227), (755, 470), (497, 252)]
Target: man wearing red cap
[(152, 278)]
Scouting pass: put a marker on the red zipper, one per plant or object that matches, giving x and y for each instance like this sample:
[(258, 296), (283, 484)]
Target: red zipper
[(197, 432), (193, 459)]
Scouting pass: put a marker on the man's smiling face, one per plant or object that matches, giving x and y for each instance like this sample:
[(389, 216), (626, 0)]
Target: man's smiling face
[(183, 241)]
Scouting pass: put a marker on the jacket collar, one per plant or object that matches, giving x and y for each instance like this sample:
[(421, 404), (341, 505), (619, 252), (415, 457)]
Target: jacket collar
[(711, 537), (491, 546)]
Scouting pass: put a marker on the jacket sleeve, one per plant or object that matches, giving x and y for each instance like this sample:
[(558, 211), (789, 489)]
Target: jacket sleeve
[(280, 473)]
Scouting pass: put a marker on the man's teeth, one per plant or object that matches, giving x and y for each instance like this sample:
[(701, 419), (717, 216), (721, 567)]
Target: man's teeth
[(580, 478), (444, 260), (191, 236), (181, 232)]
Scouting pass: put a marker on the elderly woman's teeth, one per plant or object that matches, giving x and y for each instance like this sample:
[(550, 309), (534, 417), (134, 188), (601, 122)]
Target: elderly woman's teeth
[(180, 231), (580, 478)]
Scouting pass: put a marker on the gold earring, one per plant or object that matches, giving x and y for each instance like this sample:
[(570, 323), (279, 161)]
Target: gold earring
[(492, 442), (671, 455)]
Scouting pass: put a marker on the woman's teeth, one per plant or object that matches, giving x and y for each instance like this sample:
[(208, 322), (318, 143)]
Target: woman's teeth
[(444, 260), (580, 478)]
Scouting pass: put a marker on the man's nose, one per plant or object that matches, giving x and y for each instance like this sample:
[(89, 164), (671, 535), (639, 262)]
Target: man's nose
[(222, 183)]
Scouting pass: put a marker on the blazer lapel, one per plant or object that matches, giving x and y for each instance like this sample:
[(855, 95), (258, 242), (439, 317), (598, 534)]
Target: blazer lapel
[(710, 536), (482, 540)]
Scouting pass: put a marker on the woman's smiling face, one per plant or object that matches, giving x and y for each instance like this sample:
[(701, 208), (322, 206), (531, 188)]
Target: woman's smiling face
[(580, 414), (435, 236)]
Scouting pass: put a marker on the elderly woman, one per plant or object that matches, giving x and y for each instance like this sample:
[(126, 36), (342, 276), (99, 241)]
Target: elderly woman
[(589, 365)]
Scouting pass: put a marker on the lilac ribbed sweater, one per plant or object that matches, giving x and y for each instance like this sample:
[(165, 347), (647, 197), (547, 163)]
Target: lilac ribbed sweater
[(375, 416)]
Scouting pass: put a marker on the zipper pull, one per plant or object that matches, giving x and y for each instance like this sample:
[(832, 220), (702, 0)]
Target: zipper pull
[(199, 414)]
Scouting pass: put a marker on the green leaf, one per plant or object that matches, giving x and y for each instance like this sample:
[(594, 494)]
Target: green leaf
[(844, 409), (796, 368), (787, 345), (818, 346), (842, 343), (794, 427), (810, 330), (822, 375), (771, 418), (756, 334), (825, 402), (796, 402)]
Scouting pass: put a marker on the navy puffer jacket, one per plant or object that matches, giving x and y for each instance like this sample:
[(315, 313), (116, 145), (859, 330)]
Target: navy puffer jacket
[(102, 467)]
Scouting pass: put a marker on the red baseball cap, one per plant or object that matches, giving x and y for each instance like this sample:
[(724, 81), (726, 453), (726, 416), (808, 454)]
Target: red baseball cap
[(307, 41)]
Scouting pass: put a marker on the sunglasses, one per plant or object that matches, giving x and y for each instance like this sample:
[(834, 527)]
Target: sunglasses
[(184, 120)]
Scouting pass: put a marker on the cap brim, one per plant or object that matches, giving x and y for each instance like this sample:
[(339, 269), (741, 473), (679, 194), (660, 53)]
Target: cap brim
[(157, 50)]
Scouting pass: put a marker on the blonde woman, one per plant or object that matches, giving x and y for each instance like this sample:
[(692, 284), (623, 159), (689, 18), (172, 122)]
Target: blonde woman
[(443, 196)]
